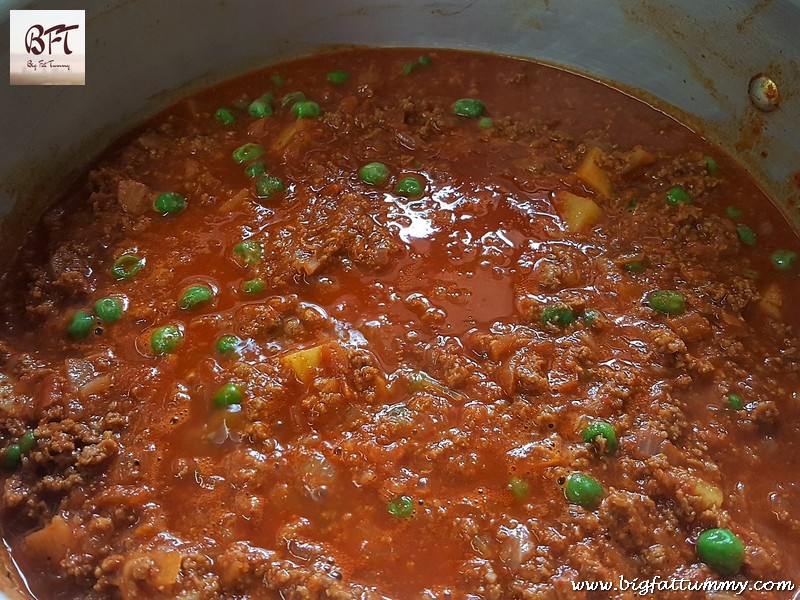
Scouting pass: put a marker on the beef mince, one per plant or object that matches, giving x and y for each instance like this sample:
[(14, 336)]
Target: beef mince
[(372, 324)]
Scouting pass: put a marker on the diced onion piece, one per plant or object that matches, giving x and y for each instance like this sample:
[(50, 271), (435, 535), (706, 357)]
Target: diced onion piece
[(771, 302), (500, 346), (98, 385), (517, 546), (650, 442), (421, 381), (167, 567), (318, 473), (577, 212), (80, 372), (636, 159), (304, 362), (260, 128), (289, 132), (310, 264), (52, 542), (235, 201), (708, 495), (144, 573), (482, 545), (592, 175)]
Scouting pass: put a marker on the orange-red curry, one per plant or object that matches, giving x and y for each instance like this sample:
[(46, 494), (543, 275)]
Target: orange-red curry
[(384, 323)]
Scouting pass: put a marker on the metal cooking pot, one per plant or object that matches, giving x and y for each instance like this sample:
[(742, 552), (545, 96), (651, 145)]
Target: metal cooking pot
[(694, 59)]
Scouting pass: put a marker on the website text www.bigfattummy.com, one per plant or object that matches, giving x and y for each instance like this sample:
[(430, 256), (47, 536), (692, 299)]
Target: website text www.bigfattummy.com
[(644, 587)]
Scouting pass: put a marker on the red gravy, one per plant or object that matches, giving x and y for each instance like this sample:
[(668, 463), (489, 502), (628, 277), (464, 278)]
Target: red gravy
[(417, 365)]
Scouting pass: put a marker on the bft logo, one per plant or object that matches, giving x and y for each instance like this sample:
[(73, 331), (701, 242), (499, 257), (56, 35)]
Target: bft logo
[(48, 47), (35, 43)]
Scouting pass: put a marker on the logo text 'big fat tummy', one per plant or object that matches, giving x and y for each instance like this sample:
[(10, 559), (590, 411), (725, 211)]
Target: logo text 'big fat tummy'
[(48, 47)]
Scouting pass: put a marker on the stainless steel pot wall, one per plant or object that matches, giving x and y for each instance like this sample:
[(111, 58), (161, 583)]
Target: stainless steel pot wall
[(698, 56)]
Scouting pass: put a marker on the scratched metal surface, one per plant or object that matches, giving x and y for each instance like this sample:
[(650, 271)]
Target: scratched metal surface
[(697, 56)]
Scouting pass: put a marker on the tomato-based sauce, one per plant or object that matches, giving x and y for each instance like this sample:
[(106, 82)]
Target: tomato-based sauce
[(384, 323)]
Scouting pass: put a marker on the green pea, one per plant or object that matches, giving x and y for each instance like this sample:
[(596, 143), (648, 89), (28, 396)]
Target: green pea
[(409, 187), (583, 490), (249, 252), (485, 123), (127, 266), (735, 402), (783, 259), (165, 340), (601, 429), (633, 203), (677, 195), (255, 169), (81, 325), (733, 212), (408, 68), (269, 185), (591, 316), (721, 550), (746, 235), (711, 164), (292, 98), (254, 286), (225, 116), (12, 456), (338, 77), (261, 107), (228, 344), (277, 80), (425, 61), (247, 152), (558, 314), (109, 309), (374, 173), (402, 507), (306, 110), (195, 295), (228, 395), (668, 302), (169, 203), (27, 442), (634, 267), (519, 487), (469, 107)]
